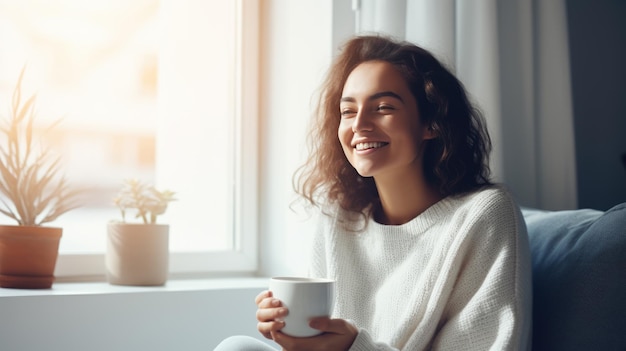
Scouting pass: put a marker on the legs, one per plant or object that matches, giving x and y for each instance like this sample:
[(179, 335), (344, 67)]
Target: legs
[(243, 343)]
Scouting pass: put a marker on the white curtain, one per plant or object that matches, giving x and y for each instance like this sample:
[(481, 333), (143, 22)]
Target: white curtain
[(513, 58)]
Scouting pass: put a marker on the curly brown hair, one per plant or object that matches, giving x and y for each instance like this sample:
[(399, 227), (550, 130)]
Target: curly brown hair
[(456, 161)]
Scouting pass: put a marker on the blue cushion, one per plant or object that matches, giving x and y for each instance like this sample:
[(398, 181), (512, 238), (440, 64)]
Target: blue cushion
[(579, 278)]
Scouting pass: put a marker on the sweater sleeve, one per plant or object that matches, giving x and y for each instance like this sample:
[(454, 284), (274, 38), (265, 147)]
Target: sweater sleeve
[(317, 259), (490, 304), (364, 342), (318, 268)]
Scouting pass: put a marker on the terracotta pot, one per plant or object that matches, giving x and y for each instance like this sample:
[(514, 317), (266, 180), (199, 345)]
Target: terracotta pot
[(28, 255), (137, 254)]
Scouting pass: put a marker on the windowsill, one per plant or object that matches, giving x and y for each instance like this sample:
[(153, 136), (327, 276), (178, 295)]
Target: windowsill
[(172, 285), (189, 314)]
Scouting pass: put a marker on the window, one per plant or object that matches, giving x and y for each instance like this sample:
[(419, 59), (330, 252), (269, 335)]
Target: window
[(164, 91)]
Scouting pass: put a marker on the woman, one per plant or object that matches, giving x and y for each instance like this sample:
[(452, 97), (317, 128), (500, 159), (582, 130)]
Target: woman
[(427, 253)]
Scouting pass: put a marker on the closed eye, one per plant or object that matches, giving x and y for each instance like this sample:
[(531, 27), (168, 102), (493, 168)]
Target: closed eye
[(384, 108), (347, 113)]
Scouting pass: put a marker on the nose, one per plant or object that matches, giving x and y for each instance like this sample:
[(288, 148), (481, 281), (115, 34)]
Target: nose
[(362, 122)]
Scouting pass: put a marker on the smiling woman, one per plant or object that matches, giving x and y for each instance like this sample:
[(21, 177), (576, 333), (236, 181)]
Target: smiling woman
[(145, 94), (426, 252), (374, 114)]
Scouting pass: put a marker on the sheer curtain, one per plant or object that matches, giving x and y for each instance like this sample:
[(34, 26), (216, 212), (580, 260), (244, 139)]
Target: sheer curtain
[(513, 58)]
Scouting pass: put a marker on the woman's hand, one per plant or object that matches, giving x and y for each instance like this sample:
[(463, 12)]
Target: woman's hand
[(269, 314), (338, 335)]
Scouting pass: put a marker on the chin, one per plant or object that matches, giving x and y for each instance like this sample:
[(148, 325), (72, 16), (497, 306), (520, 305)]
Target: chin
[(365, 169), (365, 173)]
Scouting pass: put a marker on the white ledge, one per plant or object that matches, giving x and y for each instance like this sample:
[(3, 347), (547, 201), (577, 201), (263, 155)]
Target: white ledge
[(184, 314), (172, 285)]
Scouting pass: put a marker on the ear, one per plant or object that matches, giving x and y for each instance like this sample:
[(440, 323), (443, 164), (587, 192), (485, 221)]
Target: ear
[(430, 133)]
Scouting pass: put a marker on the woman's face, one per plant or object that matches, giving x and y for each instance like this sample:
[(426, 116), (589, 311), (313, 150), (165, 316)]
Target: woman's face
[(380, 130)]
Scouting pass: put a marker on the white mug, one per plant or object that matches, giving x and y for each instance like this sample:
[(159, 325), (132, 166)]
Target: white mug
[(305, 298)]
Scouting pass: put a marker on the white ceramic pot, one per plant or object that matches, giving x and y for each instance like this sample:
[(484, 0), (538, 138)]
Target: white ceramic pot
[(137, 254)]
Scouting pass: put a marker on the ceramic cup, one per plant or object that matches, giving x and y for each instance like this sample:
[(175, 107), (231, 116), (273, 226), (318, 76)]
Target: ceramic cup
[(305, 298)]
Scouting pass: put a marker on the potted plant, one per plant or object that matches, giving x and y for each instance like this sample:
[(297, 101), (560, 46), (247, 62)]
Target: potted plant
[(32, 193), (138, 253)]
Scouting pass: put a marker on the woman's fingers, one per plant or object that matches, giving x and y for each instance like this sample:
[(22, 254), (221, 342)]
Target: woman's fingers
[(338, 334), (270, 314), (269, 302), (261, 296), (270, 319), (335, 326), (267, 328)]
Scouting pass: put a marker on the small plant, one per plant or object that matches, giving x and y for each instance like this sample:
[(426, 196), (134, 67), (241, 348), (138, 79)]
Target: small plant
[(146, 200), (32, 191)]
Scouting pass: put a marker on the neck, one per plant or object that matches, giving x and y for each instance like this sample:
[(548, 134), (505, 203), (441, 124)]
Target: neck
[(404, 197)]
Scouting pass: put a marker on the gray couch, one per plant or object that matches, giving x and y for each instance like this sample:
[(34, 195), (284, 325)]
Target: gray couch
[(579, 278)]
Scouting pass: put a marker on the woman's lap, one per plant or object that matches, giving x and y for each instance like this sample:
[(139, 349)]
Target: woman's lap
[(243, 343)]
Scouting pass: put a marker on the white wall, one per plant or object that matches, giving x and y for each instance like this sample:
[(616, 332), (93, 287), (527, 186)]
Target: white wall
[(296, 51)]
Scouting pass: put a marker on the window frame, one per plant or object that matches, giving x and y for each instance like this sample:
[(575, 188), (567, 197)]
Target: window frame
[(243, 259)]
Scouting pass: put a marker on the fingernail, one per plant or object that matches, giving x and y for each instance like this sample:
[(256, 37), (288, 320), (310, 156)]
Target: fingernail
[(275, 302)]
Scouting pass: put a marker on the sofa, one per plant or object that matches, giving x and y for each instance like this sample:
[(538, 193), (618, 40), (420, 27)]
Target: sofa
[(579, 278)]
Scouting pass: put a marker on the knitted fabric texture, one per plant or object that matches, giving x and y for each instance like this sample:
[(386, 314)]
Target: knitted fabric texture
[(456, 277)]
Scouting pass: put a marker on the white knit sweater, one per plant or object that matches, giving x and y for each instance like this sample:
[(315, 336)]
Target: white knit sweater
[(456, 277)]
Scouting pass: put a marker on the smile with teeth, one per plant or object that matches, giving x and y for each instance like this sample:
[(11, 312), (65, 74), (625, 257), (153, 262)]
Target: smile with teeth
[(366, 146)]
